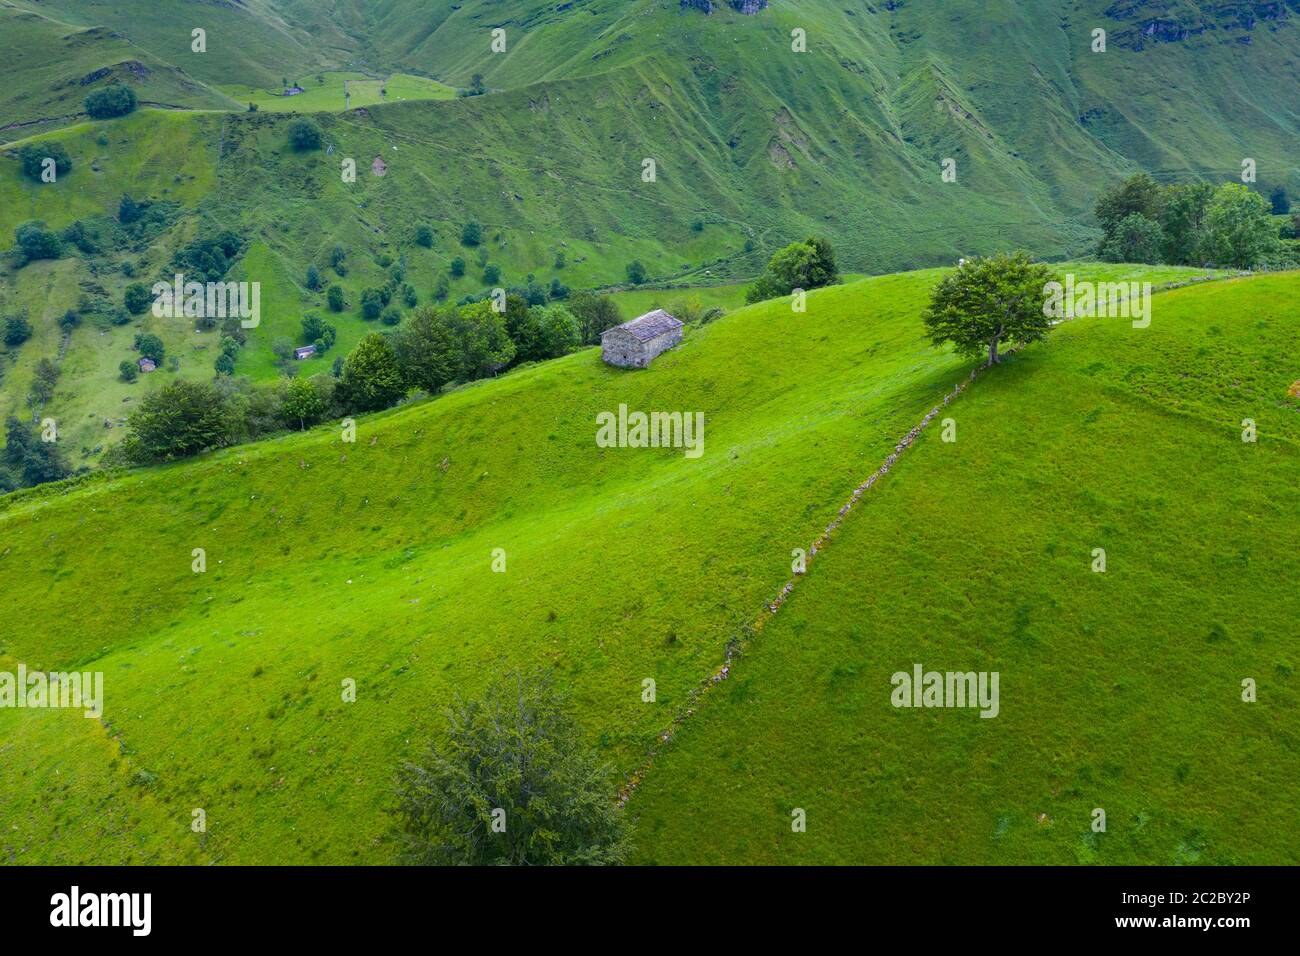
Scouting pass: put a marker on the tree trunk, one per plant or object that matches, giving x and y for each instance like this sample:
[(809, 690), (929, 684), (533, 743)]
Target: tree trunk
[(993, 351)]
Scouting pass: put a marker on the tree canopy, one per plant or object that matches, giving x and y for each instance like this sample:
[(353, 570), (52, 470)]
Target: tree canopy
[(181, 418), (801, 265), (115, 100), (511, 783), (371, 378), (988, 302)]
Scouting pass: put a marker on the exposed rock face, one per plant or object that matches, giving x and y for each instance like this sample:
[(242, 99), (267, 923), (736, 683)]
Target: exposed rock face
[(1148, 22), (748, 7)]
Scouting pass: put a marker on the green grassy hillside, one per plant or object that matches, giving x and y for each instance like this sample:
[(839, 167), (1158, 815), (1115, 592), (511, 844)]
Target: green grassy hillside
[(49, 67), (326, 92), (754, 145), (373, 561), (254, 42), (1119, 690)]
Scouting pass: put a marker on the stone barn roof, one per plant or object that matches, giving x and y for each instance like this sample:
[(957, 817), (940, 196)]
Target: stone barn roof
[(650, 326)]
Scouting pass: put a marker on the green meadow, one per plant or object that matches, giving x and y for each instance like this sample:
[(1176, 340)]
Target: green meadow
[(325, 92), (372, 561), (1120, 690), (230, 599)]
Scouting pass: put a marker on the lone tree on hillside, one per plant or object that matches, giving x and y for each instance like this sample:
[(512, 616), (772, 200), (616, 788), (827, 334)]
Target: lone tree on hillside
[(512, 783), (304, 135), (986, 302)]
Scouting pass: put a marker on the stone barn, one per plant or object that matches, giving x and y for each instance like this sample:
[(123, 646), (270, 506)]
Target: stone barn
[(635, 344)]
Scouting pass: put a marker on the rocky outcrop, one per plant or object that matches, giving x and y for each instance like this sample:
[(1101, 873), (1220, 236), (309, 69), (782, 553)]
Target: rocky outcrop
[(748, 7), (1149, 22)]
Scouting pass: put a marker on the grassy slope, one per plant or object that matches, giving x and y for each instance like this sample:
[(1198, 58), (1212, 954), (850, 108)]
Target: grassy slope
[(254, 42), (371, 561), (324, 92), (1119, 691), (622, 564), (155, 154), (757, 143), (47, 69)]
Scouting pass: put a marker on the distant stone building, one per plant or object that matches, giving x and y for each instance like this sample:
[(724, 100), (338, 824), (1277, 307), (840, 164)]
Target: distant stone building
[(635, 344), (146, 364)]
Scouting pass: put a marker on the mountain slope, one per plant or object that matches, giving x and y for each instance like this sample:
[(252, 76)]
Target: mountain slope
[(373, 561), (49, 68), (1119, 690)]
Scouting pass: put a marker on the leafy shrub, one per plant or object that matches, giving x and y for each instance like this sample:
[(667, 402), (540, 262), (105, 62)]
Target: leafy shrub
[(36, 242), (115, 100), (372, 303), (801, 265), (304, 135), (137, 298), (516, 753), (17, 330), (32, 159)]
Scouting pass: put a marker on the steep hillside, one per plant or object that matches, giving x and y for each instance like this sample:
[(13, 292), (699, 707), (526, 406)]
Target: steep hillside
[(373, 562), (49, 67), (1119, 690), (753, 146), (255, 42)]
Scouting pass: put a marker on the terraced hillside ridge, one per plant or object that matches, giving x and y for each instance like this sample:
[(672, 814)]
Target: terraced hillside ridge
[(1119, 690), (372, 561)]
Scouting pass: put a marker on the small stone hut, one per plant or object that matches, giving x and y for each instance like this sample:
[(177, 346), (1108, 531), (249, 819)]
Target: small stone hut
[(635, 344)]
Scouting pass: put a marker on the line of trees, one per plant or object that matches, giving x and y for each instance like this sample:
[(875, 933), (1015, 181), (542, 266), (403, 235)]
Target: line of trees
[(435, 348), (1193, 224)]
